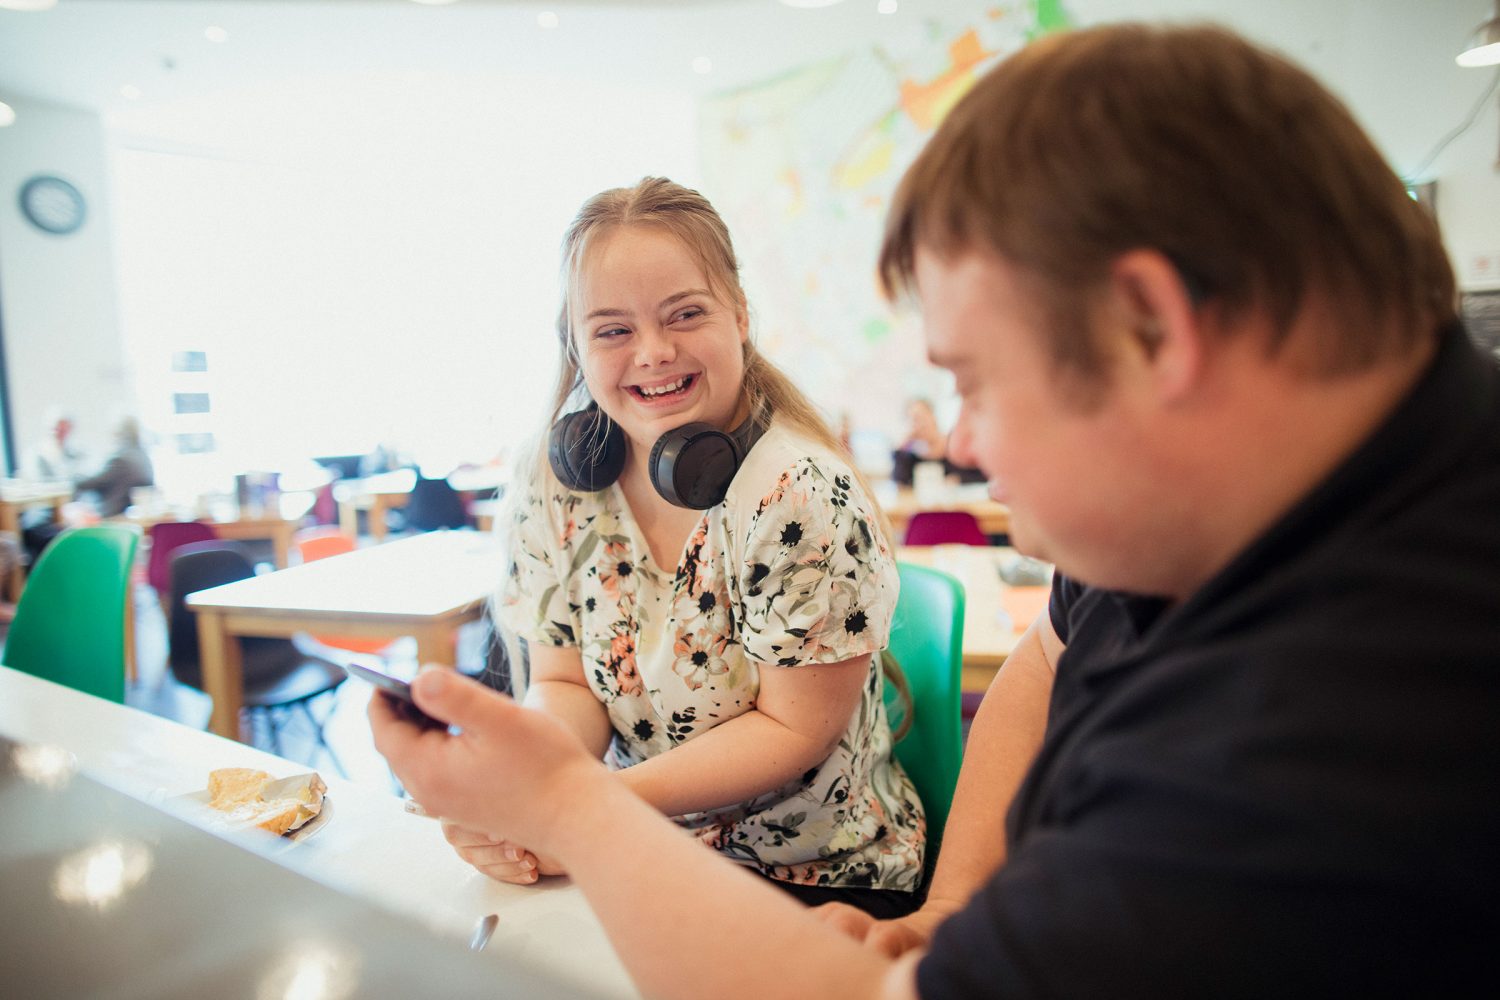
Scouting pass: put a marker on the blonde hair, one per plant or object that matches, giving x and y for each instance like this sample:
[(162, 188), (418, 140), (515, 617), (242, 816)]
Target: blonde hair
[(688, 216)]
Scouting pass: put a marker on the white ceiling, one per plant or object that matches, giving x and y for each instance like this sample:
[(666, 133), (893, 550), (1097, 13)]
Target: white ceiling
[(82, 53)]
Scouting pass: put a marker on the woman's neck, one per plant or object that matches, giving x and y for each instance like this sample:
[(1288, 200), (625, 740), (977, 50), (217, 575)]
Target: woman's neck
[(664, 526)]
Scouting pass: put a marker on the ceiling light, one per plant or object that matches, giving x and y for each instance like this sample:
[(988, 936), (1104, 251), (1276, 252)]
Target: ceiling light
[(546, 19), (887, 6), (130, 92), (702, 65), (1484, 46), (214, 33), (810, 3), (27, 4), (7, 114), (434, 3)]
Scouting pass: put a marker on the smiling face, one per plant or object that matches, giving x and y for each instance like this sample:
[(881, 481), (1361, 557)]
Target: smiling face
[(658, 348), (1066, 471)]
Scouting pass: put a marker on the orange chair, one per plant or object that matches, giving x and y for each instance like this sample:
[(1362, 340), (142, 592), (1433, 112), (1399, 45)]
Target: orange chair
[(320, 543)]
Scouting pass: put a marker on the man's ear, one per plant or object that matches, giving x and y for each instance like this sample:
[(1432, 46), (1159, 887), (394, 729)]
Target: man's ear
[(1153, 311)]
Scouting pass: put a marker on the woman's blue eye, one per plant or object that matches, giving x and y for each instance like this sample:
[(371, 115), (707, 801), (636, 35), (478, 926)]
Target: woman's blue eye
[(612, 331), (692, 312)]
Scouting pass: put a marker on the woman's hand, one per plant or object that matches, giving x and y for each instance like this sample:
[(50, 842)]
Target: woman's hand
[(500, 859), (892, 938)]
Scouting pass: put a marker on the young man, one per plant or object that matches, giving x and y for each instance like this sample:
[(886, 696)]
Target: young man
[(1207, 353)]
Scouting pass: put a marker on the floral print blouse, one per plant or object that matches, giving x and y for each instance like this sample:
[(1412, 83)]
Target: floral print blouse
[(790, 569)]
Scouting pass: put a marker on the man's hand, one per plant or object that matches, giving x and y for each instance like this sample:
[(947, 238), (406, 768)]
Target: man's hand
[(507, 771), (892, 938), (498, 858)]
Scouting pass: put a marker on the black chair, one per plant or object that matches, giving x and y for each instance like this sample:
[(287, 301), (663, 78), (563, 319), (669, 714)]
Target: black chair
[(342, 466), (280, 675), (434, 505)]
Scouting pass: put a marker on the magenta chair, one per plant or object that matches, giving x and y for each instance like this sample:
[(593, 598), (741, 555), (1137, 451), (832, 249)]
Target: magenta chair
[(166, 538), (944, 527)]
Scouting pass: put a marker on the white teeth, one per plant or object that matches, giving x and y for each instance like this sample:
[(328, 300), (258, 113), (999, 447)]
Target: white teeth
[(663, 389)]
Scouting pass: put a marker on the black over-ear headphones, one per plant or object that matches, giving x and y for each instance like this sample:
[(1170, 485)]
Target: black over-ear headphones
[(691, 466)]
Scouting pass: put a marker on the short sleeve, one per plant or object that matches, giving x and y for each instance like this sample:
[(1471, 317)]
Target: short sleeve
[(817, 583), (533, 598)]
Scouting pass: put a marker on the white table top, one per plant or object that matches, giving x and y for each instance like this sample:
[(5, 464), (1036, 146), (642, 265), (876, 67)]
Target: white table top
[(423, 576), (369, 848)]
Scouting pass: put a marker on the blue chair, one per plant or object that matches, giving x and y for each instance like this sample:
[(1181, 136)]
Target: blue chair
[(70, 623), (927, 641)]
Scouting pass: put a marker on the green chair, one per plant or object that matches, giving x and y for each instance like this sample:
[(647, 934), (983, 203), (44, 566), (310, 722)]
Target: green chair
[(927, 641), (70, 623)]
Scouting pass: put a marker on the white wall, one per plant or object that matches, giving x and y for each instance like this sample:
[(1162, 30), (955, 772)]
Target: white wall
[(373, 259), (58, 293), (1391, 61)]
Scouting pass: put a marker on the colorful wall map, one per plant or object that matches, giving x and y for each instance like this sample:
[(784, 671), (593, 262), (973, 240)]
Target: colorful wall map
[(803, 166)]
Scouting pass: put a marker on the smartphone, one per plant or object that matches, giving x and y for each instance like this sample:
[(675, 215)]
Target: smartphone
[(398, 691)]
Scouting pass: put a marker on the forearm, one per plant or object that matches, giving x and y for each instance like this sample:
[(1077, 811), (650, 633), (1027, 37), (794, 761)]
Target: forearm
[(732, 763), (577, 707), (1003, 741), (794, 955)]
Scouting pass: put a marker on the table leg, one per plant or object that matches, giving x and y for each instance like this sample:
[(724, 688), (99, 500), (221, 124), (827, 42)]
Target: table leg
[(435, 645), (129, 631), (281, 542), (223, 673), (377, 517), (10, 520), (349, 518)]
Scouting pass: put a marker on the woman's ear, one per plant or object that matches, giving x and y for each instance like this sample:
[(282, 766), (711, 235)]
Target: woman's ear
[(742, 318)]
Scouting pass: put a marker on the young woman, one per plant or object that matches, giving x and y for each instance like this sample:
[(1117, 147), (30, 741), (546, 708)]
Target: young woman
[(725, 660)]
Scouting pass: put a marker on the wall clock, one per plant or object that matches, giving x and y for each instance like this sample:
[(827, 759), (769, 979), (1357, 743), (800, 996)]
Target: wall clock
[(52, 204)]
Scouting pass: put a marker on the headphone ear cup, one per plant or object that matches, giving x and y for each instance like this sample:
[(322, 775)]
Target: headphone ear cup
[(583, 459), (661, 472), (692, 465)]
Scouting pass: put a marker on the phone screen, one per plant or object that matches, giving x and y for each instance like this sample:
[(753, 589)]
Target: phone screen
[(397, 690)]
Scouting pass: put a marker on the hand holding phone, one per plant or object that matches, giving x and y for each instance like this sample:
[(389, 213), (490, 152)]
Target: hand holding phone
[(399, 693)]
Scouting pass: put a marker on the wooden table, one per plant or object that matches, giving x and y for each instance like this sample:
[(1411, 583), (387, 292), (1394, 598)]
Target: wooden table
[(375, 495), (424, 586), (995, 614), (276, 526), (902, 502), (370, 848), (18, 495), (484, 513)]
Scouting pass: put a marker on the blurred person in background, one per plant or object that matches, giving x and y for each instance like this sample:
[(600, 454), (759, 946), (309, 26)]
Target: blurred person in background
[(128, 467), (56, 456)]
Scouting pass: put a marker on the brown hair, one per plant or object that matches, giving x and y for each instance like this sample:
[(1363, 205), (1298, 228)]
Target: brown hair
[(1233, 163)]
